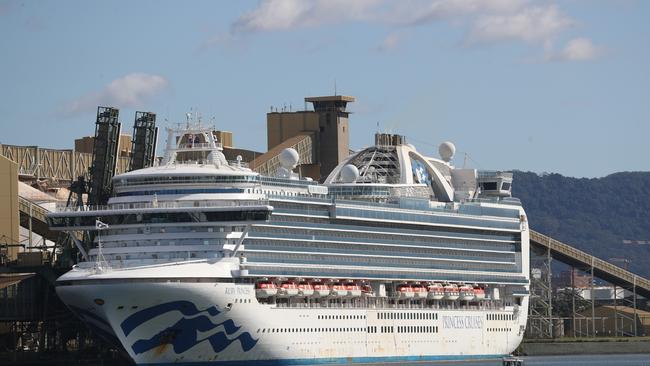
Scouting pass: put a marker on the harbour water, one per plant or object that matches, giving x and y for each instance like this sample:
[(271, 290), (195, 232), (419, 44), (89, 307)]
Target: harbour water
[(576, 360)]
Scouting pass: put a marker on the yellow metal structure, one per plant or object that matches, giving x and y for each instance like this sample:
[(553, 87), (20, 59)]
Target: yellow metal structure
[(9, 216), (57, 165)]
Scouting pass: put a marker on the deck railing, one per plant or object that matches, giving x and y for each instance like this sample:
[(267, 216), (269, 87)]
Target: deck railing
[(163, 205)]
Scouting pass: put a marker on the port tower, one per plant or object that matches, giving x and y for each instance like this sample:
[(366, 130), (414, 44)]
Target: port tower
[(105, 149), (145, 136)]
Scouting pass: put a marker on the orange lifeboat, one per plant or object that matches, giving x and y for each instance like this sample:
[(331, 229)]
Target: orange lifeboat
[(354, 290), (405, 291), (419, 291), (451, 292), (305, 289), (366, 290), (265, 289), (466, 293), (287, 289), (339, 290), (479, 292), (436, 291), (320, 289)]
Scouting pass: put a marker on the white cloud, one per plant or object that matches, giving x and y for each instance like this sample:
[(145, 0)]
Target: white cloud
[(390, 42), (484, 21), (274, 15), (131, 90), (529, 24), (420, 12), (577, 49)]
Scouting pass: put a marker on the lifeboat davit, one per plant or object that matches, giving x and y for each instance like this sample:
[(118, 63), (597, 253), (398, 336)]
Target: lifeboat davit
[(419, 291), (479, 292), (451, 292), (436, 291), (466, 293), (405, 291), (305, 289), (265, 289), (320, 289), (339, 290), (287, 289)]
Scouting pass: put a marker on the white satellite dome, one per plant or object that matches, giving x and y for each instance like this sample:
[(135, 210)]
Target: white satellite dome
[(289, 158), (349, 173), (447, 151)]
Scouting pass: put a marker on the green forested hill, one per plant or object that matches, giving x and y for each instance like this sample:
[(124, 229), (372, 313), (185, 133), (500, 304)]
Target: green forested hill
[(595, 215)]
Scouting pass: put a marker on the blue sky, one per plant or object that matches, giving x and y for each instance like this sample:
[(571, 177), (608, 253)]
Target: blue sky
[(546, 86)]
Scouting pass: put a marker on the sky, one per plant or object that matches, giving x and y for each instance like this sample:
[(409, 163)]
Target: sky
[(543, 86)]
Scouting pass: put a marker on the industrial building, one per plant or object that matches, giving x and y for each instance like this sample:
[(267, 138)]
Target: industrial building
[(9, 216), (86, 144), (327, 126)]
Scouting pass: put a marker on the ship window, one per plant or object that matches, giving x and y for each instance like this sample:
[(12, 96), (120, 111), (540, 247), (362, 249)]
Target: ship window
[(489, 186), (505, 186)]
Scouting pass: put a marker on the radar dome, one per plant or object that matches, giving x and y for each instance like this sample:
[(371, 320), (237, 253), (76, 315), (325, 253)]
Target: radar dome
[(289, 158), (446, 151), (349, 173)]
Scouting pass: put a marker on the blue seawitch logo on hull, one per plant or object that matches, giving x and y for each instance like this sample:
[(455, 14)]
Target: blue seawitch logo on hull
[(183, 334)]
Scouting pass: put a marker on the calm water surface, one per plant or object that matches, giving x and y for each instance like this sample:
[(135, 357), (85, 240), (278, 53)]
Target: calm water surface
[(581, 360)]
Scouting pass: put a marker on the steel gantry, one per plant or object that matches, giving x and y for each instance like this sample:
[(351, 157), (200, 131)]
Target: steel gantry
[(542, 320)]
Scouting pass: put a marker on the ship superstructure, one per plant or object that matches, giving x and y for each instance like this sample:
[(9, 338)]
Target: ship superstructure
[(396, 256)]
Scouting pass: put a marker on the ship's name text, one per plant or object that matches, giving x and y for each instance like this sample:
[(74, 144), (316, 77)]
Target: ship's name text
[(237, 291), (462, 322)]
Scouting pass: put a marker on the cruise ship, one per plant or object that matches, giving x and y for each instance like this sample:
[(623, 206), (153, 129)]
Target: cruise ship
[(395, 257)]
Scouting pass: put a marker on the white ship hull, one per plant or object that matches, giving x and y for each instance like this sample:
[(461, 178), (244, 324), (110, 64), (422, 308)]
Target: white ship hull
[(172, 321), (201, 260)]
